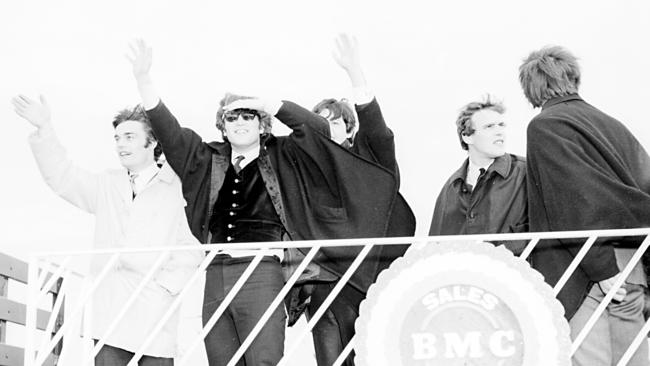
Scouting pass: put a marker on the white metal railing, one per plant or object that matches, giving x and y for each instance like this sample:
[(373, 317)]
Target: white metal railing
[(37, 287)]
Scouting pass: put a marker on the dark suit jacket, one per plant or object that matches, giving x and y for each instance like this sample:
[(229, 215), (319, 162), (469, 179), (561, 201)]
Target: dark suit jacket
[(318, 188), (585, 171)]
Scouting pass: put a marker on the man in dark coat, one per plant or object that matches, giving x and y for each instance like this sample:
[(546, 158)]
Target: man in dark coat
[(488, 193), (585, 171), (302, 186), (373, 141)]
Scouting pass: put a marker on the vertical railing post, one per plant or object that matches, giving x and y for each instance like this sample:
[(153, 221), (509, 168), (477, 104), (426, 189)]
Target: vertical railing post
[(30, 321)]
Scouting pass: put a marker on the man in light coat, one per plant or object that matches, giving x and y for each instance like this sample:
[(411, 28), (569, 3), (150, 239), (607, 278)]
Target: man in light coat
[(140, 205)]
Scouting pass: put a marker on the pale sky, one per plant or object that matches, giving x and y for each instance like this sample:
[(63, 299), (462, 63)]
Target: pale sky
[(423, 59)]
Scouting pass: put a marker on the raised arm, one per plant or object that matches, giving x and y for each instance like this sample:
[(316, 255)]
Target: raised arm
[(73, 184), (180, 145), (289, 113), (346, 55), (141, 57), (374, 139)]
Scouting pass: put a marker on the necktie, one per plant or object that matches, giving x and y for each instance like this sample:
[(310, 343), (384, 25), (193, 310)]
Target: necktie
[(236, 165), (132, 181)]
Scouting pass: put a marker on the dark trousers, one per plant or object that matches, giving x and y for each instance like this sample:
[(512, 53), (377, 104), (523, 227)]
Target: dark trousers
[(113, 356), (335, 328), (243, 313)]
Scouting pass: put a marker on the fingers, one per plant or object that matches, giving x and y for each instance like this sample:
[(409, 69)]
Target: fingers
[(20, 106), (134, 50), (607, 285), (18, 102), (339, 42), (336, 56), (24, 101), (346, 41), (138, 49), (620, 294), (244, 103)]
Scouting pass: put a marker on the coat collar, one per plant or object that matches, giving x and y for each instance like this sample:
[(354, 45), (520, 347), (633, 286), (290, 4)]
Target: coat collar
[(224, 148), (166, 173), (557, 100), (501, 166)]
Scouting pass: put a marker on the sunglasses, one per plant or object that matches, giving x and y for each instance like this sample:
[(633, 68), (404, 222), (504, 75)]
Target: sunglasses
[(246, 114)]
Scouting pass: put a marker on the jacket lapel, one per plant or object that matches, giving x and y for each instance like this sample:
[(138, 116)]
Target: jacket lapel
[(217, 175), (272, 185)]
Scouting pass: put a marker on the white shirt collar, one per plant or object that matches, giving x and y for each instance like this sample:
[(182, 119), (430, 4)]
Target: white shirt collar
[(249, 156), (144, 177), (474, 172)]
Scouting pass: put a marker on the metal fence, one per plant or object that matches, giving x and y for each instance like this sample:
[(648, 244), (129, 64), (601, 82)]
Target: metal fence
[(58, 263)]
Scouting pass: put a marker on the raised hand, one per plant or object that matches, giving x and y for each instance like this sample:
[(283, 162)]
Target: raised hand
[(268, 106), (140, 58), (35, 112), (346, 54), (606, 286)]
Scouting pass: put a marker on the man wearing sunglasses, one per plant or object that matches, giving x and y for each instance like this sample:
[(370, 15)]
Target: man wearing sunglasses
[(256, 187)]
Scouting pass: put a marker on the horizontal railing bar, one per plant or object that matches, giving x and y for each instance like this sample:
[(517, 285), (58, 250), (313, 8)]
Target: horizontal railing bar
[(15, 312), (363, 241), (12, 355), (70, 270)]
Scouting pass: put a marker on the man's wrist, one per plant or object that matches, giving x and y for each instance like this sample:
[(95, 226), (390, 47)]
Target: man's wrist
[(44, 129), (357, 79), (272, 107), (143, 79)]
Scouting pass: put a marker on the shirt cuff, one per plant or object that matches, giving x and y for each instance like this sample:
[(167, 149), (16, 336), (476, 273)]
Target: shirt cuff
[(361, 95), (272, 106)]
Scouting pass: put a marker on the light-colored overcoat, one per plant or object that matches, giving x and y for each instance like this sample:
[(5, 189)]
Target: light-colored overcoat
[(154, 218)]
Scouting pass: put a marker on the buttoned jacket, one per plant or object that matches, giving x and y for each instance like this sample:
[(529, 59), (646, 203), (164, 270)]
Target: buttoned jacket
[(498, 203), (319, 189)]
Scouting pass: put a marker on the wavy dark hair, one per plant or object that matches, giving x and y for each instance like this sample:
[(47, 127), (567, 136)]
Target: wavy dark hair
[(464, 121), (139, 114), (337, 109)]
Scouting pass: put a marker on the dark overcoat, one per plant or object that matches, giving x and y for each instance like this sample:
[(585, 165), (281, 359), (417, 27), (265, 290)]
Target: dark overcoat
[(319, 189), (585, 171)]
